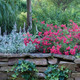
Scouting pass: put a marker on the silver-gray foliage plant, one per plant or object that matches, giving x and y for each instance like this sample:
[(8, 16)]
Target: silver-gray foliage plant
[(14, 43)]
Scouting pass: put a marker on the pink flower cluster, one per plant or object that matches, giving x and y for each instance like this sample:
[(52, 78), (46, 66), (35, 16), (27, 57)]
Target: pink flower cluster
[(58, 40)]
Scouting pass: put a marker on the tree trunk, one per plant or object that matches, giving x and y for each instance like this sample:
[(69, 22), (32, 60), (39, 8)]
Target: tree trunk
[(29, 16)]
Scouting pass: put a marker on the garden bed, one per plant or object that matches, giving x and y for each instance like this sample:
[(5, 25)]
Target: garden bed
[(42, 61)]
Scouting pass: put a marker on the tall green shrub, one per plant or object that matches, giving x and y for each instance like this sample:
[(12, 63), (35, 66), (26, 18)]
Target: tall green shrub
[(8, 9), (50, 12)]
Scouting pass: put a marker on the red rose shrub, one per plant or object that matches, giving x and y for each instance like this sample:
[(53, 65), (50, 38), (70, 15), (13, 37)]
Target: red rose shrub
[(57, 40)]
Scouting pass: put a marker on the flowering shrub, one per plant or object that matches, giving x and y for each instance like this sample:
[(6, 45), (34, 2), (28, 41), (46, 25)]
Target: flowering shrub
[(57, 40)]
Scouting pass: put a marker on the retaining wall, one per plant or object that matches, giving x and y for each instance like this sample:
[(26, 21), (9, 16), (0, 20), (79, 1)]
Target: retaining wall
[(42, 61)]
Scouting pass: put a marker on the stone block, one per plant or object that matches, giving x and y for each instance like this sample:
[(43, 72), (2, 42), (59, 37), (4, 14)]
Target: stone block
[(68, 65), (41, 69), (41, 75), (77, 78), (6, 68), (3, 63), (40, 55), (77, 68), (70, 79), (52, 61), (38, 61), (13, 61), (3, 76), (13, 55), (3, 59), (65, 57), (75, 75), (77, 61)]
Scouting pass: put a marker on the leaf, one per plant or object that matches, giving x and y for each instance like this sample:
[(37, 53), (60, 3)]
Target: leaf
[(0, 16), (14, 75)]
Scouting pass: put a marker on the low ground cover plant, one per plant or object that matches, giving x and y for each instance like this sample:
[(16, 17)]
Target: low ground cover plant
[(54, 72), (25, 70), (57, 40)]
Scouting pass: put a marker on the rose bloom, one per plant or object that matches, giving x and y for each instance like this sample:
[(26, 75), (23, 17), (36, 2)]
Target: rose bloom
[(68, 48)]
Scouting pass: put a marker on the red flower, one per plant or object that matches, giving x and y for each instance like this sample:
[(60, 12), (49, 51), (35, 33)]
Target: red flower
[(43, 22), (48, 25), (55, 26), (46, 33), (72, 51), (37, 47), (39, 34), (75, 46), (63, 25), (36, 41), (58, 46), (68, 48), (67, 53), (64, 40), (69, 35), (26, 41), (56, 36), (53, 50), (44, 51)]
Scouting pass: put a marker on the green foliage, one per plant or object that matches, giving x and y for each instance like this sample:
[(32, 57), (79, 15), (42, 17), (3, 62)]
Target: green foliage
[(27, 70), (8, 10), (56, 73), (22, 5), (63, 3), (54, 14), (22, 14), (78, 55), (21, 18)]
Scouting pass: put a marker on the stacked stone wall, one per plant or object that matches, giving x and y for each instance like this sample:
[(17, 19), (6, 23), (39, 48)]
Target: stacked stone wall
[(42, 61)]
